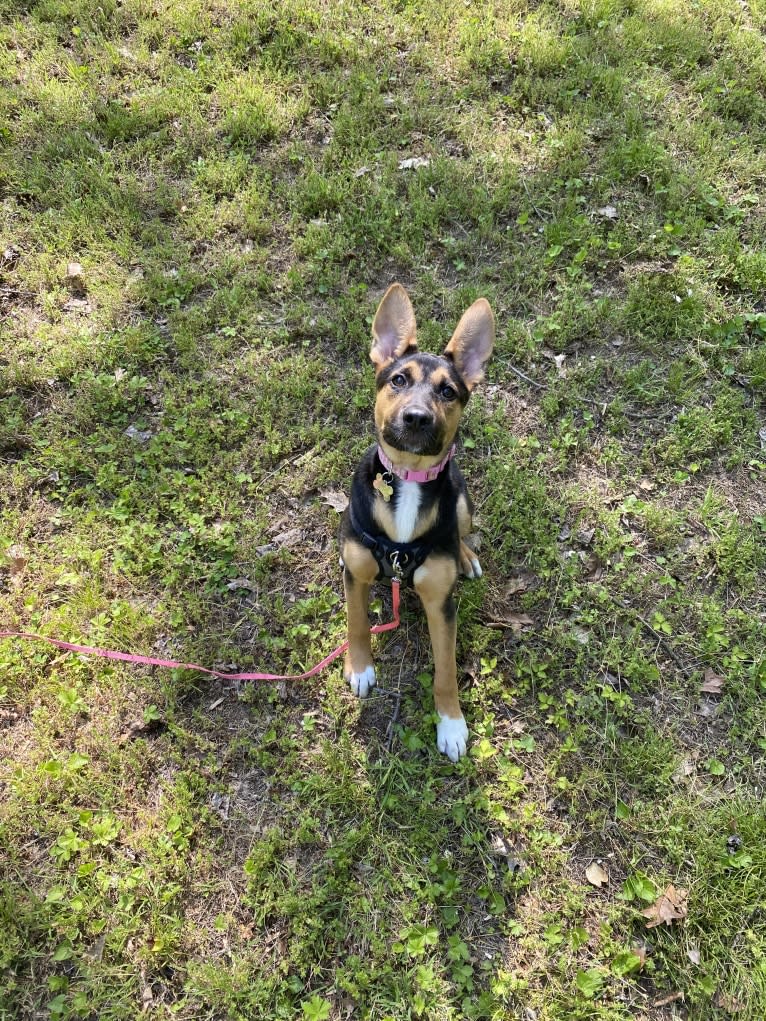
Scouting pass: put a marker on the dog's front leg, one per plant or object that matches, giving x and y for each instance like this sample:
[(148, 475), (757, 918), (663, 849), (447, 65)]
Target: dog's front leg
[(360, 570), (434, 582)]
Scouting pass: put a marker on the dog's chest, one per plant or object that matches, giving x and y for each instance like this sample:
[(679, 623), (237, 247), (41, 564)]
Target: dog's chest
[(406, 510)]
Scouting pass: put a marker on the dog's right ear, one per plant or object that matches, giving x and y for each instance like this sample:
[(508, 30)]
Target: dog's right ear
[(393, 329)]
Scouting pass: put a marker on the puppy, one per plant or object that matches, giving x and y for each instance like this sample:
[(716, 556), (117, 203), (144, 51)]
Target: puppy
[(409, 510)]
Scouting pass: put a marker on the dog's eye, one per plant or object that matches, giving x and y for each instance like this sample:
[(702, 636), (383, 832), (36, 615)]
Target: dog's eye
[(449, 393), (399, 380)]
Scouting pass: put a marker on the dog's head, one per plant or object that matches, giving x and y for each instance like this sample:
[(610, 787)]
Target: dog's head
[(421, 396)]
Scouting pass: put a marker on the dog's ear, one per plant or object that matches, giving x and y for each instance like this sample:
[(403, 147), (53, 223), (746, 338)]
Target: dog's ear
[(472, 342), (393, 329)]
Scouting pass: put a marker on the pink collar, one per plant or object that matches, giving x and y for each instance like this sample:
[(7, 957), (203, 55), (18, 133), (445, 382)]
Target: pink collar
[(412, 476)]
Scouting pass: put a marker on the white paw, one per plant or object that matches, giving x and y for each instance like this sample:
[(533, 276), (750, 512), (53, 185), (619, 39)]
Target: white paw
[(363, 683), (451, 737), (476, 571), (470, 565)]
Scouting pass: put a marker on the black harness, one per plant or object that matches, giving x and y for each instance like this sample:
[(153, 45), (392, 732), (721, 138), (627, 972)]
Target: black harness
[(395, 559)]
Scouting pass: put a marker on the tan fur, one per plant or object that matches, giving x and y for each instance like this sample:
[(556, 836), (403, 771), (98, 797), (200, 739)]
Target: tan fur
[(394, 318), (476, 330), (464, 526), (433, 581), (387, 407), (362, 566)]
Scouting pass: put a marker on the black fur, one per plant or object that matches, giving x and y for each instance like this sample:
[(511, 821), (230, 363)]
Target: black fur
[(444, 490)]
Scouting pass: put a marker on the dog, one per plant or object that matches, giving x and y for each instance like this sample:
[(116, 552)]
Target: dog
[(409, 510)]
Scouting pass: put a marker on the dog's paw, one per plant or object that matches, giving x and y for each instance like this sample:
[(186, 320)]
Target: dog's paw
[(362, 683), (452, 737), (469, 562)]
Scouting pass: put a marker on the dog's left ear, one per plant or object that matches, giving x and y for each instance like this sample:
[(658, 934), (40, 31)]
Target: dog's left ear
[(472, 342)]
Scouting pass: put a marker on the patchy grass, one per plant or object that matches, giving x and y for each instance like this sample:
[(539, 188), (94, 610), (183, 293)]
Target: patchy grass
[(228, 178)]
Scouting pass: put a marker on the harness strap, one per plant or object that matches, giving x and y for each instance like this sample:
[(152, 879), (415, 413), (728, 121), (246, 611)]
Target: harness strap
[(395, 559)]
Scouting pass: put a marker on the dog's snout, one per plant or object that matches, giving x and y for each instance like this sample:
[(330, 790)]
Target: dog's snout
[(417, 418)]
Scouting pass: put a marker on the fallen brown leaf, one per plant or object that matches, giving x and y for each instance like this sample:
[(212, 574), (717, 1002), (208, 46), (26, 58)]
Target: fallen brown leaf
[(513, 621), (288, 538), (687, 767), (728, 1003), (669, 907), (18, 559), (240, 583), (334, 498), (670, 998), (712, 683), (518, 584), (593, 565), (596, 876)]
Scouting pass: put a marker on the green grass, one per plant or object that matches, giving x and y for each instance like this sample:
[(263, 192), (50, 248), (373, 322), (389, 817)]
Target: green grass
[(228, 177)]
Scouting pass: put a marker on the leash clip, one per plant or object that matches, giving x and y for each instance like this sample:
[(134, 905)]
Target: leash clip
[(398, 567)]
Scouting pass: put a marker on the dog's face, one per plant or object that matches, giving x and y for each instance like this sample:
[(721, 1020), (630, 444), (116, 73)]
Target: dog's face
[(419, 403), (421, 396)]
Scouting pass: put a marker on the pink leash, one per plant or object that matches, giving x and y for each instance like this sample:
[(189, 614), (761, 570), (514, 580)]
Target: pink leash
[(127, 657)]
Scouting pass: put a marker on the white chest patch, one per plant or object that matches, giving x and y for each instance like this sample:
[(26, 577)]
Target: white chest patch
[(406, 512)]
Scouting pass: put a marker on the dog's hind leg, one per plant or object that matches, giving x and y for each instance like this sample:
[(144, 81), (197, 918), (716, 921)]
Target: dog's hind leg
[(469, 562), (359, 571)]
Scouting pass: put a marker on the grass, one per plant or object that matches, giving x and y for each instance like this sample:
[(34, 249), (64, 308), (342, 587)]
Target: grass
[(228, 177)]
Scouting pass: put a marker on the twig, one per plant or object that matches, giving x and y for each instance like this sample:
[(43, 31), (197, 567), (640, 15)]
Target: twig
[(685, 670), (393, 721), (397, 706), (522, 375), (532, 202)]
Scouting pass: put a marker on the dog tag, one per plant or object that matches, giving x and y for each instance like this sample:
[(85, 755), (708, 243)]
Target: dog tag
[(383, 487)]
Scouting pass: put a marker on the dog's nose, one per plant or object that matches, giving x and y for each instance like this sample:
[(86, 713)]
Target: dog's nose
[(417, 418)]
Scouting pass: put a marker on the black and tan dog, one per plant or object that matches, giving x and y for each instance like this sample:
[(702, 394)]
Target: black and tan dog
[(409, 510)]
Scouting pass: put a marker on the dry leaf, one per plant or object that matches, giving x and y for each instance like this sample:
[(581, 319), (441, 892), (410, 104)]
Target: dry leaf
[(240, 583), (712, 683), (414, 163), (669, 907), (139, 435), (593, 565), (596, 876), (334, 498), (517, 584), (686, 768), (516, 622), (728, 1003), (78, 305), (289, 538), (18, 558), (670, 998)]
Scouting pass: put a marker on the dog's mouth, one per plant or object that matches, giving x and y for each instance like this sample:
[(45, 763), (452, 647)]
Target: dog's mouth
[(421, 439)]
